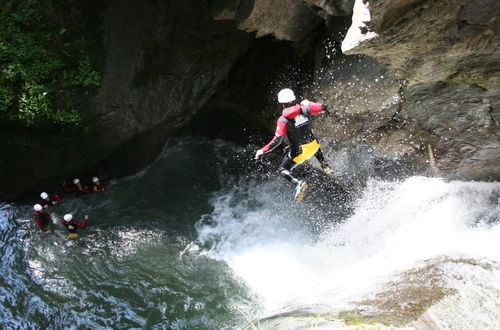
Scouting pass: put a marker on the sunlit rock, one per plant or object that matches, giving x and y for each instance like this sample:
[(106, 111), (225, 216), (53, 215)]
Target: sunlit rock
[(358, 32), (445, 54), (436, 40), (326, 8), (284, 19)]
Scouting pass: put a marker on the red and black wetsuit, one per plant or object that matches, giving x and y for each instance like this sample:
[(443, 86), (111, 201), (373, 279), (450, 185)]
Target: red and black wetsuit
[(68, 188), (52, 200), (73, 225), (295, 124), (42, 219), (98, 188), (78, 189)]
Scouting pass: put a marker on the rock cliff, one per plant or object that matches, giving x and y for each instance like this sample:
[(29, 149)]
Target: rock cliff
[(447, 56), (415, 82)]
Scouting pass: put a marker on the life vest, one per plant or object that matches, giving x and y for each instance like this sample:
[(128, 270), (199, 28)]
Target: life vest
[(42, 216), (53, 199), (72, 228), (298, 127), (42, 219), (98, 189), (73, 225)]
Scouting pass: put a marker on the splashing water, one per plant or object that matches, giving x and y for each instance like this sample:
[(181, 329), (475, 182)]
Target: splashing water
[(205, 242), (396, 227)]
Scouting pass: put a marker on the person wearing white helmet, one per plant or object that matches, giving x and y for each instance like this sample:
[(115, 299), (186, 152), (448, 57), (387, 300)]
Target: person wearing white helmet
[(72, 225), (77, 187), (97, 187), (49, 199), (294, 123), (42, 217)]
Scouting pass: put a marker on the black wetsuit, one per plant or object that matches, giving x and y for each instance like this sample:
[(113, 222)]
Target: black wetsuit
[(42, 219), (73, 225), (295, 124)]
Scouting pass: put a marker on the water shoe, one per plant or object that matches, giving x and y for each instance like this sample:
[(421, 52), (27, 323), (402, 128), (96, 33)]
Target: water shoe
[(300, 190)]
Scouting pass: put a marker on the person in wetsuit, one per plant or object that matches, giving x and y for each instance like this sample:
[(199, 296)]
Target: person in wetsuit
[(97, 186), (42, 217), (77, 187), (294, 123), (72, 225), (49, 200)]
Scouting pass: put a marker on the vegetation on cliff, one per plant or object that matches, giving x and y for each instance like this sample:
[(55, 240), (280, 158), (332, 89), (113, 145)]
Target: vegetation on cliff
[(49, 61)]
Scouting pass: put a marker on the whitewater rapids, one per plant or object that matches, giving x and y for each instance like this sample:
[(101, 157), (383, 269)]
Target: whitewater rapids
[(197, 242)]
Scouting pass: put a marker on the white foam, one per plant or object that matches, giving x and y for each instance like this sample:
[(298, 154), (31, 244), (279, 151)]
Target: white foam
[(395, 227)]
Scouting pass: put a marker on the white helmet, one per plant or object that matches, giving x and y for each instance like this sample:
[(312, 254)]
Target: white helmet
[(76, 180), (44, 195), (68, 217), (286, 95), (37, 207), (95, 179)]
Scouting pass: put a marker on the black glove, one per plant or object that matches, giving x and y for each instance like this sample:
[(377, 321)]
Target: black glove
[(325, 109)]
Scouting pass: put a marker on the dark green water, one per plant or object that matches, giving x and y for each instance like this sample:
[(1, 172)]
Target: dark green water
[(126, 270), (205, 238)]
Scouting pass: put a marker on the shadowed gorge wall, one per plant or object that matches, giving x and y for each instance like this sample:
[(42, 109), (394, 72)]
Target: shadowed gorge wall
[(426, 84)]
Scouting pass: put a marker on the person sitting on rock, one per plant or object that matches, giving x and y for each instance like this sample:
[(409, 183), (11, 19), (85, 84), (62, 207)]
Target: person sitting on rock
[(72, 225), (49, 200), (97, 186), (42, 218)]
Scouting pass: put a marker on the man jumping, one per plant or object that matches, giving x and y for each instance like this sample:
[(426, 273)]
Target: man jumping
[(294, 123)]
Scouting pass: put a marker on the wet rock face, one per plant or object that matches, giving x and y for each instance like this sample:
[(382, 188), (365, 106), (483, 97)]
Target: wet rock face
[(423, 40), (446, 56), (164, 61), (290, 20), (284, 19), (458, 121), (428, 80)]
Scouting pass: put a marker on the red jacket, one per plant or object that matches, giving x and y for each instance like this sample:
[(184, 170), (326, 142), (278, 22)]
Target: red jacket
[(295, 118), (73, 225), (42, 219)]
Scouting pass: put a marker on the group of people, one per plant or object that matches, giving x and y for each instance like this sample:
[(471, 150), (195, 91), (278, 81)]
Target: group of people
[(43, 218), (79, 187)]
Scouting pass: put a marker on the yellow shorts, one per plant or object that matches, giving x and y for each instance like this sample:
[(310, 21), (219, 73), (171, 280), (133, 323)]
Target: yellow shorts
[(73, 235), (308, 150)]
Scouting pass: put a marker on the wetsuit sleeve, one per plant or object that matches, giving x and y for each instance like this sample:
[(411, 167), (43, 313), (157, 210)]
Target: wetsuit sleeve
[(39, 222), (312, 108), (278, 136), (98, 189), (82, 224)]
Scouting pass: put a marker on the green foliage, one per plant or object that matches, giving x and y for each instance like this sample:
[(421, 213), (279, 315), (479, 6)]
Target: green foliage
[(47, 66)]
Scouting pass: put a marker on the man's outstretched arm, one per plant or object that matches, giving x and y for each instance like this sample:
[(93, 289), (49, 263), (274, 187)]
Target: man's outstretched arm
[(276, 141)]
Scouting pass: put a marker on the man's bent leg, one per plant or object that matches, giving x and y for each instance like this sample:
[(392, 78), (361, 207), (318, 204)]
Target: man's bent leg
[(321, 159), (285, 169)]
